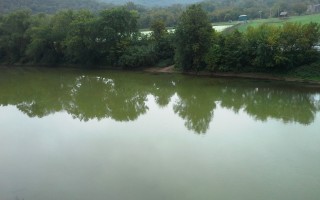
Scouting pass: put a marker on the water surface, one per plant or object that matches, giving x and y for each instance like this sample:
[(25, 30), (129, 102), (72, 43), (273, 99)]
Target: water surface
[(73, 134)]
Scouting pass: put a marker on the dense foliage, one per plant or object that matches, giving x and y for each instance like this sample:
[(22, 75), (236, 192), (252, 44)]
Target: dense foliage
[(111, 38), (80, 37), (169, 11), (225, 10), (193, 36), (50, 6), (265, 48)]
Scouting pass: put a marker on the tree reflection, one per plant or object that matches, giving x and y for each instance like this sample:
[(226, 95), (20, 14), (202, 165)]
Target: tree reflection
[(270, 101), (123, 96), (195, 106), (163, 88), (84, 97), (99, 97)]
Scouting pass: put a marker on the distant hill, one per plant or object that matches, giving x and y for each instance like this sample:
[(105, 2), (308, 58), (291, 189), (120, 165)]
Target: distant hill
[(152, 3), (50, 6)]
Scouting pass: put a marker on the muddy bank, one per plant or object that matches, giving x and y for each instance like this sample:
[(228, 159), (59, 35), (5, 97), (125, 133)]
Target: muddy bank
[(260, 76), (171, 70)]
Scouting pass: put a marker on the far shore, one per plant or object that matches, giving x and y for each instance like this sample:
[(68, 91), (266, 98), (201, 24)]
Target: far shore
[(172, 70), (259, 76)]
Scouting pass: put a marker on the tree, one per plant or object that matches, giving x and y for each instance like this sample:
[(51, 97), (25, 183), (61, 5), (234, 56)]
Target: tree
[(41, 47), (81, 40), (158, 29), (116, 28), (228, 52), (193, 38), (48, 38), (299, 8), (297, 42), (162, 40), (234, 52), (263, 47), (13, 37)]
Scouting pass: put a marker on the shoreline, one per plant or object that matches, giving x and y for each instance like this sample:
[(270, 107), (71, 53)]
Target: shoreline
[(248, 75), (171, 70)]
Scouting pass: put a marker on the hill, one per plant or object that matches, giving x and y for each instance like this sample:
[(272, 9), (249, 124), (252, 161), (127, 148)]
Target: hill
[(152, 3), (50, 6)]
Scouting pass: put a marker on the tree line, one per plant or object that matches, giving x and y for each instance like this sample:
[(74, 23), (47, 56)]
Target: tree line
[(261, 49), (111, 38)]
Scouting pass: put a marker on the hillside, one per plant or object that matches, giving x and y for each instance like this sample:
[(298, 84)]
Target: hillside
[(152, 3), (169, 11), (50, 6)]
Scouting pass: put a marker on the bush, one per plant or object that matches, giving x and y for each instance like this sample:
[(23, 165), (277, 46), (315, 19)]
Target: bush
[(138, 56)]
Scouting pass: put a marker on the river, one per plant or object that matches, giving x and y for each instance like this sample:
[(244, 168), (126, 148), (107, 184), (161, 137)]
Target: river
[(70, 134)]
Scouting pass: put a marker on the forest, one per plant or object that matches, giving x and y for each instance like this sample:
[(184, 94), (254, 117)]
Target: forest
[(168, 11), (111, 38)]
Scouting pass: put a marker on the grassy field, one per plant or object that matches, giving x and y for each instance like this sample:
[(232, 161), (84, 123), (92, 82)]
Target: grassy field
[(278, 22)]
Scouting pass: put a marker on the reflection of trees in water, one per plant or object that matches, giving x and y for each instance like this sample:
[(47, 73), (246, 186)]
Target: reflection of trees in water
[(98, 97), (162, 91), (281, 105), (123, 96), (36, 96), (195, 105), (266, 102)]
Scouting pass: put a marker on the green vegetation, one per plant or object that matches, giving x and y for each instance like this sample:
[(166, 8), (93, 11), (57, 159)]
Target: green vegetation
[(307, 72), (265, 48), (193, 38), (51, 6), (169, 11), (279, 22), (111, 38)]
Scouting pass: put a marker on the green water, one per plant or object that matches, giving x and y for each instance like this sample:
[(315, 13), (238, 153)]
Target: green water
[(113, 135)]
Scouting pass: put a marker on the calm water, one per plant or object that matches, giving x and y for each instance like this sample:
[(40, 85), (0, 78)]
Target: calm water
[(102, 135)]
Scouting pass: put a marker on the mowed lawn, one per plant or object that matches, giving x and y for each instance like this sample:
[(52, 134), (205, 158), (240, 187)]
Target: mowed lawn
[(278, 22)]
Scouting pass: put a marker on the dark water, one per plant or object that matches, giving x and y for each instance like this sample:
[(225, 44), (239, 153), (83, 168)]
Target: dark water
[(112, 135)]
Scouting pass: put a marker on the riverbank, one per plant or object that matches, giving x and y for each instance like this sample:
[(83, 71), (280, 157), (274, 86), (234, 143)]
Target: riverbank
[(297, 77), (258, 76)]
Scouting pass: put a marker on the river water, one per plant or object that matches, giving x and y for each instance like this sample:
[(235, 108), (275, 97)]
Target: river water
[(68, 134)]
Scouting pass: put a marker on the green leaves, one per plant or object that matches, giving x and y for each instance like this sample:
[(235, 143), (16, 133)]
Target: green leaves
[(265, 48), (111, 38), (116, 28), (76, 37), (283, 48), (13, 37), (193, 38), (81, 39)]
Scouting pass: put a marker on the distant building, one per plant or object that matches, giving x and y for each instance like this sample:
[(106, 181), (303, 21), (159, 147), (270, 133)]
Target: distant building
[(313, 8), (283, 14), (243, 18)]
